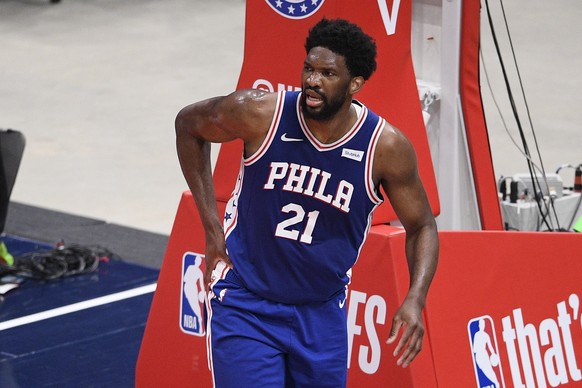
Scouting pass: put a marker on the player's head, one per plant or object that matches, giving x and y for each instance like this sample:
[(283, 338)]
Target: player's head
[(348, 40), (340, 58)]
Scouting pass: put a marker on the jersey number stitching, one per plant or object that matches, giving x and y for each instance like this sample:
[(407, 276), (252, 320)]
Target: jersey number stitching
[(283, 227)]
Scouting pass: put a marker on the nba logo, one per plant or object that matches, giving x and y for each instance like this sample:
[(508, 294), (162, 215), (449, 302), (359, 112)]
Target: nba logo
[(485, 352), (192, 295)]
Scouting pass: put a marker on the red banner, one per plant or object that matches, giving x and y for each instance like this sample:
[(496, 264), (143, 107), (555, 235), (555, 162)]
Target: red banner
[(476, 130), (520, 290)]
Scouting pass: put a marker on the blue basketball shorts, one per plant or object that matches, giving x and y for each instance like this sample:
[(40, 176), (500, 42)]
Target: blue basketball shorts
[(255, 342)]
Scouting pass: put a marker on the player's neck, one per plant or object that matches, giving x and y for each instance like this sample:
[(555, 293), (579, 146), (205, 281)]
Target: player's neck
[(333, 129)]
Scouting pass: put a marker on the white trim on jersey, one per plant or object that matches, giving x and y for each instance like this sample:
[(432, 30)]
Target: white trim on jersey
[(370, 184), (372, 194), (366, 233), (209, 337), (338, 143), (270, 133), (221, 270), (232, 205)]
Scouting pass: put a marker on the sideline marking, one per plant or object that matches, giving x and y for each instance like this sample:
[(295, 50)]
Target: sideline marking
[(87, 304)]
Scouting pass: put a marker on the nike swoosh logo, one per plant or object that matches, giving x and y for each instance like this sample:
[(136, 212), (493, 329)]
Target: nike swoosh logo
[(285, 138), (342, 303)]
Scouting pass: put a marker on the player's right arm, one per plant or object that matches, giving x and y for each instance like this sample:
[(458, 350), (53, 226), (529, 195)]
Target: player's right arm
[(242, 115)]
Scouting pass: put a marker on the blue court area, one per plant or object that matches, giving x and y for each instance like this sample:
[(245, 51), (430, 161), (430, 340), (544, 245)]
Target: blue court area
[(78, 331)]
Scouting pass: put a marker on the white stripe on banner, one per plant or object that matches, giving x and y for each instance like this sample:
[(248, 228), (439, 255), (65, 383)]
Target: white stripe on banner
[(87, 304)]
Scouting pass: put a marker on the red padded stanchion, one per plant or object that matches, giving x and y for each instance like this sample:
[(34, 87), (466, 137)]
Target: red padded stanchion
[(273, 60), (169, 356)]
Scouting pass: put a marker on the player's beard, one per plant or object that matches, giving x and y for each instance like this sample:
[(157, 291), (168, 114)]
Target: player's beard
[(331, 105)]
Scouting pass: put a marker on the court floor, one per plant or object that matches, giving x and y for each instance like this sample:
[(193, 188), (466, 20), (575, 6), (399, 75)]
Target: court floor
[(79, 331)]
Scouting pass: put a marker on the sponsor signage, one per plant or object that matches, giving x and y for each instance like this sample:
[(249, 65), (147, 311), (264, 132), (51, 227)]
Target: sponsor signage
[(539, 353), (504, 310)]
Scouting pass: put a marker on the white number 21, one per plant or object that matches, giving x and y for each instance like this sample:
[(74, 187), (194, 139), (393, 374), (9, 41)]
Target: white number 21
[(284, 227)]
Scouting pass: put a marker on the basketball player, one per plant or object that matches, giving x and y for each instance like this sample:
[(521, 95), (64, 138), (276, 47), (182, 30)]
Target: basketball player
[(279, 262)]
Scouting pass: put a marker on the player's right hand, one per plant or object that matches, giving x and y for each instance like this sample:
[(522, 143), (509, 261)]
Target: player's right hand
[(214, 254)]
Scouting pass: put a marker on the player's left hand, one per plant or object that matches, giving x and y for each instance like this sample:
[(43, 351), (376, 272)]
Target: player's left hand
[(409, 318)]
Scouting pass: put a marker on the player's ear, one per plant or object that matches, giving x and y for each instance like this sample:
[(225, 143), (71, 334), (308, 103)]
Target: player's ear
[(356, 84)]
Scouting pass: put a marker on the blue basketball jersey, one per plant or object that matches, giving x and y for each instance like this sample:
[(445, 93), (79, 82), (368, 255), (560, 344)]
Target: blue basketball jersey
[(301, 209)]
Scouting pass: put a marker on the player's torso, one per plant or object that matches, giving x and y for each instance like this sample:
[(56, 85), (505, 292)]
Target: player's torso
[(301, 209)]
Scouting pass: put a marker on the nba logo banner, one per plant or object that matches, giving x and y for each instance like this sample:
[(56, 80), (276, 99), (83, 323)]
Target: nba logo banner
[(192, 295), (486, 363)]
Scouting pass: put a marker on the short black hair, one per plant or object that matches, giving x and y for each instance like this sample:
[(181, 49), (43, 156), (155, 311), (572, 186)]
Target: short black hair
[(348, 40)]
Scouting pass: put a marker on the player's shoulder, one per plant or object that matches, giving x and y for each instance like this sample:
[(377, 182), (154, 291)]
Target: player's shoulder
[(394, 156), (248, 114), (393, 139), (253, 98), (247, 107)]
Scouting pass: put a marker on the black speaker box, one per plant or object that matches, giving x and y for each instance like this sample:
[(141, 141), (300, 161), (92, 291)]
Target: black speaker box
[(11, 149)]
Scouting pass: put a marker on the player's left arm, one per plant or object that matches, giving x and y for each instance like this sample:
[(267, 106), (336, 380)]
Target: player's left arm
[(395, 168)]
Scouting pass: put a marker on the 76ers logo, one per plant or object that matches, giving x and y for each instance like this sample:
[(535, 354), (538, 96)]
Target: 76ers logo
[(295, 9)]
